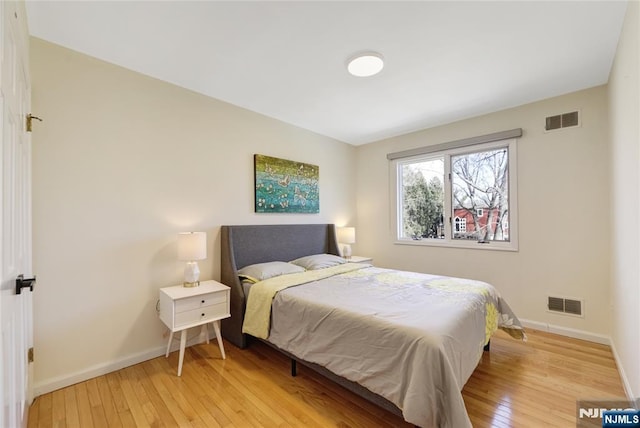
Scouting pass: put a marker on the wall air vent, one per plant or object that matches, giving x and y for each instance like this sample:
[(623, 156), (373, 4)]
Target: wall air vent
[(565, 306), (565, 120)]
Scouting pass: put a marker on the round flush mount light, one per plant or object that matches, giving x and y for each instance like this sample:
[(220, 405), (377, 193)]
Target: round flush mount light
[(365, 64)]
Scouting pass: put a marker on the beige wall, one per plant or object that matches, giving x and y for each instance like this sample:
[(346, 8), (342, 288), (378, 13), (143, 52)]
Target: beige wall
[(564, 212), (121, 164), (624, 106)]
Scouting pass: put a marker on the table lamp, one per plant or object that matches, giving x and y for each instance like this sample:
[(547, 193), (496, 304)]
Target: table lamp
[(192, 246), (346, 236)]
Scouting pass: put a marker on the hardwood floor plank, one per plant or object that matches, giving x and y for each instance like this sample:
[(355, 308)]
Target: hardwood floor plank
[(58, 416), (115, 387), (308, 385), (97, 410), (516, 384), (133, 403), (259, 414), (155, 400), (93, 393), (120, 402), (108, 405), (34, 411), (45, 411), (207, 395), (193, 393), (178, 392), (71, 407), (305, 387), (84, 407), (256, 382), (150, 413), (226, 411)]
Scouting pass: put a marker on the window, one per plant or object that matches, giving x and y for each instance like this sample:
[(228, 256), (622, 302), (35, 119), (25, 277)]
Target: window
[(422, 198), (480, 181), (459, 197), (461, 225)]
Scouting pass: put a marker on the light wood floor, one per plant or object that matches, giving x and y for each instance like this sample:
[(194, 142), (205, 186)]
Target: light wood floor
[(533, 384)]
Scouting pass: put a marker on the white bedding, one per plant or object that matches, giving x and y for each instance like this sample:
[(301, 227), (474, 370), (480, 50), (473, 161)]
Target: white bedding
[(412, 338)]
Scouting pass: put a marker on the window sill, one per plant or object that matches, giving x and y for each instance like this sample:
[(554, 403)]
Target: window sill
[(469, 245)]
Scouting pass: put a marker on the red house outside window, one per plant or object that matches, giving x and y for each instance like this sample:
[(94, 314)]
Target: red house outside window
[(470, 226)]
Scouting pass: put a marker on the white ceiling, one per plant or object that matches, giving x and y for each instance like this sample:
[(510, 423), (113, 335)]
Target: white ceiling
[(444, 60)]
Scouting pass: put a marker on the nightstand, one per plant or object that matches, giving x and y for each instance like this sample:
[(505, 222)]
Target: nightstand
[(184, 307), (360, 259)]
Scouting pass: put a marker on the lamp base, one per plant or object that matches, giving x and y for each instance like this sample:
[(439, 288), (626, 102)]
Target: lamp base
[(191, 284), (191, 275), (346, 251)]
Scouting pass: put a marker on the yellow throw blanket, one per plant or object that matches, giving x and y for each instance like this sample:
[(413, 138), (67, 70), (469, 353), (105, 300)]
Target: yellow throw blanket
[(257, 315)]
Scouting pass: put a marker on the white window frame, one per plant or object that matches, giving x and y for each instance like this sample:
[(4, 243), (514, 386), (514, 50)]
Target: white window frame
[(395, 180)]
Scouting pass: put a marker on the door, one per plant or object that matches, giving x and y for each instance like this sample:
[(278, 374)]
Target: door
[(15, 217)]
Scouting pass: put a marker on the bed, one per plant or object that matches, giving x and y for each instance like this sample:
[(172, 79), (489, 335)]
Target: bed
[(403, 340)]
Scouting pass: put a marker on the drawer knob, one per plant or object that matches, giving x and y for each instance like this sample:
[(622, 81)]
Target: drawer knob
[(203, 301), (202, 314)]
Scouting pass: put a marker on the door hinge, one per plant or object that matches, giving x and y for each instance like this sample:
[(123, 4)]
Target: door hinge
[(30, 355), (30, 118)]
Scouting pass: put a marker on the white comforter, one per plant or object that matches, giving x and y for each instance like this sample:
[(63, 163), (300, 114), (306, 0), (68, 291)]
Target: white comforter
[(412, 338)]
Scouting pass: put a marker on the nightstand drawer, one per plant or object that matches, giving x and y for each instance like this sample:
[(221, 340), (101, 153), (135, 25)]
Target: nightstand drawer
[(201, 301), (202, 314)]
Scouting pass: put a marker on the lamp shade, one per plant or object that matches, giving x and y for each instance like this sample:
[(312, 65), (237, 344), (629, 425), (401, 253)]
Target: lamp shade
[(347, 235), (192, 246)]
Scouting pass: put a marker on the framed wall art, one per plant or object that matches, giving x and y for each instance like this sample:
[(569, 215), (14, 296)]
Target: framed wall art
[(285, 186)]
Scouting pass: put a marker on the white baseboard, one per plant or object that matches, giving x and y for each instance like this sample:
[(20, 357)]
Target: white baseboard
[(53, 384), (625, 381), (566, 331)]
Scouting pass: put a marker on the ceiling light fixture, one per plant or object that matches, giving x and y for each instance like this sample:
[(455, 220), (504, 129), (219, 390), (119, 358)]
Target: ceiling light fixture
[(365, 64)]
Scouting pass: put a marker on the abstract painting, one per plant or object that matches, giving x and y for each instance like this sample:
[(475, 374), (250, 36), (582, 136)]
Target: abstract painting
[(285, 186)]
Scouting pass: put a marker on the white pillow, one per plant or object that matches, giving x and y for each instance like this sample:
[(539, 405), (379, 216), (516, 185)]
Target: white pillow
[(319, 261), (262, 271)]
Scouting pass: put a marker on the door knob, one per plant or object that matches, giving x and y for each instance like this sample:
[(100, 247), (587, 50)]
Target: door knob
[(22, 282)]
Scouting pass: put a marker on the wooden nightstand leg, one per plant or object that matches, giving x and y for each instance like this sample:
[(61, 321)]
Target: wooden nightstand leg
[(216, 327), (183, 342), (169, 344)]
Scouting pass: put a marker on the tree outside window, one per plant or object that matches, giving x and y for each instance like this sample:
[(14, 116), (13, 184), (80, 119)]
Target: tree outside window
[(423, 199), (481, 183)]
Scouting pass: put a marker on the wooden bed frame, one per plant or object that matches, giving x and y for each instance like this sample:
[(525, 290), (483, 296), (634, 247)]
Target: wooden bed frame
[(249, 244)]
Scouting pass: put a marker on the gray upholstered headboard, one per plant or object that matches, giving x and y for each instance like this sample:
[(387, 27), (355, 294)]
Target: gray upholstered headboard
[(249, 244)]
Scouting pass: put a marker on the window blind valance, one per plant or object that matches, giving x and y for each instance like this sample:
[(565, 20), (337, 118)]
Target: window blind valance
[(496, 136)]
